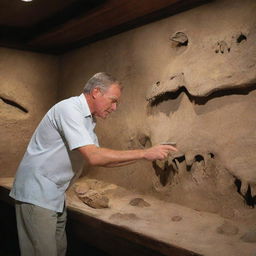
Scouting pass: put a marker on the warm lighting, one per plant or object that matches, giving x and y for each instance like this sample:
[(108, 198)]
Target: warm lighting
[(26, 0)]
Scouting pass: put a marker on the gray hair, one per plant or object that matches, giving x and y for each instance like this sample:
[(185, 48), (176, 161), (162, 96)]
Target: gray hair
[(100, 80)]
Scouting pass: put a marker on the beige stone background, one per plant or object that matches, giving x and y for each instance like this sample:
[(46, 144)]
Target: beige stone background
[(212, 121), (30, 80)]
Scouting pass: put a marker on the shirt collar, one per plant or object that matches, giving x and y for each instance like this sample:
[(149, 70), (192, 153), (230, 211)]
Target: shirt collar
[(85, 107)]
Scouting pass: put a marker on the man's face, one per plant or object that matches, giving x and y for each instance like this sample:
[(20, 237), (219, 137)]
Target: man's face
[(106, 102)]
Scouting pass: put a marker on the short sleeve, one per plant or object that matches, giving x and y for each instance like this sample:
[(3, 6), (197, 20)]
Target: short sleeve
[(72, 125)]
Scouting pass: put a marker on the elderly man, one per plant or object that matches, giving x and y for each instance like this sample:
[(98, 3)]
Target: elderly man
[(63, 139)]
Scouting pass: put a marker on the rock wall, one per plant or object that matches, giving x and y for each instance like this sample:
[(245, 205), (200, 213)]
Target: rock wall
[(191, 79), (28, 87)]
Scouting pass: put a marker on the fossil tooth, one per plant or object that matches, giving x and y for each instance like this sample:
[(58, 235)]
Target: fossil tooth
[(161, 163), (244, 187), (190, 158), (182, 168), (253, 190)]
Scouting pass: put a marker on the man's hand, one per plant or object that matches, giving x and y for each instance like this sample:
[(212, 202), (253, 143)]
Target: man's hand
[(158, 152)]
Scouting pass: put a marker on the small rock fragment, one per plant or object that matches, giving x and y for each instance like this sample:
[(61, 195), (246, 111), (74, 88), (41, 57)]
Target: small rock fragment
[(94, 199), (249, 237), (180, 39), (140, 202), (227, 229), (81, 189), (176, 218)]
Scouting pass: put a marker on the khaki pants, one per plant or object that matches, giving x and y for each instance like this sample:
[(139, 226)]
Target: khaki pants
[(41, 231)]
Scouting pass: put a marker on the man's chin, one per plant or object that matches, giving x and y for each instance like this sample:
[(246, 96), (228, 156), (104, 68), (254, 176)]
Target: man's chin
[(104, 116)]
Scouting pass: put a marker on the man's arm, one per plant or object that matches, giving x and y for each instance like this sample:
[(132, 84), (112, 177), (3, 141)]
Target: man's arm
[(110, 158), (120, 164)]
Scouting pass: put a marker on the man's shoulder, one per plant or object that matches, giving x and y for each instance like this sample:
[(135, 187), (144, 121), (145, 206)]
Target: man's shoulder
[(75, 106), (68, 103)]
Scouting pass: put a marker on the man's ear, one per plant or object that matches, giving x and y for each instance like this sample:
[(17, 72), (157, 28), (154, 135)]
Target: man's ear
[(96, 92)]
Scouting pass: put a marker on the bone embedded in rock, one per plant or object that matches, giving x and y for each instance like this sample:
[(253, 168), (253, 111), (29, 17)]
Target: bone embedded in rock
[(169, 84), (81, 188), (161, 163), (190, 158), (244, 187), (180, 38), (181, 166), (94, 199), (253, 190)]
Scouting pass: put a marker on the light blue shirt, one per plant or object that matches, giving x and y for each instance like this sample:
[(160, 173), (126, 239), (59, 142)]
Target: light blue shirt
[(50, 162)]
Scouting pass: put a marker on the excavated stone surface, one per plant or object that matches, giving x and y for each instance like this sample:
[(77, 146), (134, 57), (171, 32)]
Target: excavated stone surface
[(205, 100), (190, 79), (204, 233), (92, 192), (214, 60), (193, 83), (28, 88)]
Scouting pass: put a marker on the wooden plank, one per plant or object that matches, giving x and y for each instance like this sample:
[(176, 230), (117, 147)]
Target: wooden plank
[(111, 14), (118, 240)]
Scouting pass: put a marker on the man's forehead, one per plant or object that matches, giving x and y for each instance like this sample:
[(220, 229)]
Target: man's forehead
[(116, 85), (114, 89)]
